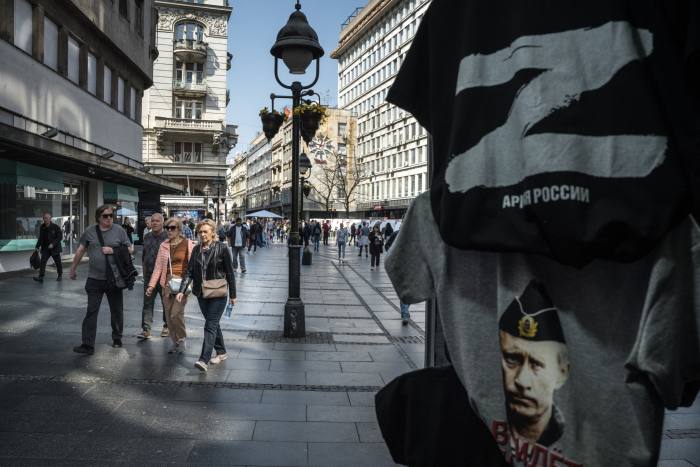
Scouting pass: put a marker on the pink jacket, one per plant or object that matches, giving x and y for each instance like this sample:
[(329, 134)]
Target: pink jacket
[(161, 270)]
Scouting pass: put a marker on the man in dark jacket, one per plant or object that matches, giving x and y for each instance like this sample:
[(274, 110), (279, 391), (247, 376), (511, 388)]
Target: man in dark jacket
[(49, 245), (253, 236), (238, 236)]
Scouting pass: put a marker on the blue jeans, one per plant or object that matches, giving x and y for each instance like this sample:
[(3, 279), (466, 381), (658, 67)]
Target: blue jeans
[(212, 309), (317, 241), (341, 249), (404, 310)]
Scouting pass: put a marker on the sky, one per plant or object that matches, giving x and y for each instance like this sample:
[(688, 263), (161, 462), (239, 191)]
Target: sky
[(253, 28)]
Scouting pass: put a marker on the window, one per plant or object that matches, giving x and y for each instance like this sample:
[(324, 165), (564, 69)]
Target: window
[(120, 94), (92, 73), (132, 103), (138, 17), (50, 44), (73, 60), (189, 72), (188, 152), (342, 149), (188, 109), (23, 25), (107, 91), (420, 183), (189, 31), (124, 9), (342, 129)]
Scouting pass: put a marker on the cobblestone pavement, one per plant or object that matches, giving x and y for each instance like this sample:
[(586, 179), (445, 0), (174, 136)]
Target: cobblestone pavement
[(275, 401)]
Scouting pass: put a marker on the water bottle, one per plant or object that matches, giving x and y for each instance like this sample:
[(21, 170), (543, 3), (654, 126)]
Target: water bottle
[(228, 311)]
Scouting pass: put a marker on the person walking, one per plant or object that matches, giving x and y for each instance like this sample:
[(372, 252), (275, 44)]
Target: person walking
[(326, 231), (238, 235), (173, 257), (341, 240), (101, 246), (363, 238), (187, 230), (49, 246), (253, 237), (128, 228), (376, 244), (151, 246), (353, 233), (316, 235), (210, 272)]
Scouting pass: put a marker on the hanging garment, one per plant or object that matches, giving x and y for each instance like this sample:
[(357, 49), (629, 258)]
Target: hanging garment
[(563, 129), (565, 366)]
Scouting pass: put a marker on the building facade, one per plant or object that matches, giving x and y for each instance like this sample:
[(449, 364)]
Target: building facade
[(391, 146), (186, 138), (258, 159), (332, 153), (71, 86), (237, 187)]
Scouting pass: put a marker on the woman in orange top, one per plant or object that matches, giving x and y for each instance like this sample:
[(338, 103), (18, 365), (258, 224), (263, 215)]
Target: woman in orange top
[(172, 259)]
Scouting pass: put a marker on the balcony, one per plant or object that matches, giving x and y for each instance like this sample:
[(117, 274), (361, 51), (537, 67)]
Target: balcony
[(187, 124), (190, 89), (190, 50)]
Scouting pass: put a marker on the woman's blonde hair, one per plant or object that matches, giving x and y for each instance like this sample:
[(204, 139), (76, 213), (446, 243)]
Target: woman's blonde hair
[(176, 222), (208, 222)]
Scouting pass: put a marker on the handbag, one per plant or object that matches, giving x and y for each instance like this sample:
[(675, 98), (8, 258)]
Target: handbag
[(175, 282), (35, 260), (212, 288)]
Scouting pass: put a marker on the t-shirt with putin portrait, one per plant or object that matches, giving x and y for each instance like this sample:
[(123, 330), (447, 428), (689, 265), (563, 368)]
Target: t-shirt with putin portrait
[(565, 366), (567, 129)]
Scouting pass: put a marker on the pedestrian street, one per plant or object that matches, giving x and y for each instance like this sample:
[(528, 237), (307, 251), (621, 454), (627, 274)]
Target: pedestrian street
[(275, 401)]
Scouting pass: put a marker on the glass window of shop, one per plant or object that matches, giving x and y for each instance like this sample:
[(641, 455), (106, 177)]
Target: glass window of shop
[(26, 192), (125, 201)]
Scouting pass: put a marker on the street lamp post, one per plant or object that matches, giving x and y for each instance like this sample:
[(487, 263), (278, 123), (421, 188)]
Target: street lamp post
[(297, 45), (207, 193)]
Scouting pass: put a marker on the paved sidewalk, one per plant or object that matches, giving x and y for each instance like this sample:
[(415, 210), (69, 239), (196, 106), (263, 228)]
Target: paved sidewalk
[(275, 401)]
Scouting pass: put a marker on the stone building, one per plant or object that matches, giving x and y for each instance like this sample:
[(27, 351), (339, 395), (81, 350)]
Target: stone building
[(391, 145), (258, 159), (333, 147), (186, 138), (237, 187), (71, 86)]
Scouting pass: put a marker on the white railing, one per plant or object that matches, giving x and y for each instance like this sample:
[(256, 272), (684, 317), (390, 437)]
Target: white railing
[(190, 86), (189, 124)]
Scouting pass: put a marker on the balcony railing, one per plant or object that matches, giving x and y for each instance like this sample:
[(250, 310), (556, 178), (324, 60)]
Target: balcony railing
[(190, 50), (188, 124), (189, 88)]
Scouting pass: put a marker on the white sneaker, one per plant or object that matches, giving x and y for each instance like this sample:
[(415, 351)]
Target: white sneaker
[(218, 358), (201, 366)]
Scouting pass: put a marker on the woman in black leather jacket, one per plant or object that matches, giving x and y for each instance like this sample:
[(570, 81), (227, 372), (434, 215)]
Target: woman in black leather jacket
[(218, 265)]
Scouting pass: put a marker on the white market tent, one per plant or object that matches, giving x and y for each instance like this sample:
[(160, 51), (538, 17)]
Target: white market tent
[(264, 213)]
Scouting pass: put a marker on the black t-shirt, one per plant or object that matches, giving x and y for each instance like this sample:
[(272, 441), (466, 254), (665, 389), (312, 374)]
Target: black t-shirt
[(567, 129)]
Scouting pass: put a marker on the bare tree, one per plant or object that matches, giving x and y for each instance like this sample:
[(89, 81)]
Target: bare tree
[(326, 181), (353, 174)]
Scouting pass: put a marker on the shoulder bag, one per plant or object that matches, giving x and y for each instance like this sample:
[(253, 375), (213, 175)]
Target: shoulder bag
[(176, 281), (212, 288)]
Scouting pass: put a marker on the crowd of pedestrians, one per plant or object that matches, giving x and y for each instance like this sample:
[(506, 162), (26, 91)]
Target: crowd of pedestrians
[(175, 266)]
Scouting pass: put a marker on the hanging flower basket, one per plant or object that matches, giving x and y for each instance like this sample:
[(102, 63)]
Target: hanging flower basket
[(271, 122), (311, 116)]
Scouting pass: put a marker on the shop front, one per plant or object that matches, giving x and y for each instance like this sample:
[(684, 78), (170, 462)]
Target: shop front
[(26, 193)]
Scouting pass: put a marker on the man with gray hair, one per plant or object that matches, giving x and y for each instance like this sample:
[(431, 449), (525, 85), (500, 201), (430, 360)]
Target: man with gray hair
[(151, 245)]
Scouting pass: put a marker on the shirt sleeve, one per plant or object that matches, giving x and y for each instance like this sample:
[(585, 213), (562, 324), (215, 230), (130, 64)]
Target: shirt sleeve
[(409, 262), (84, 240), (667, 348)]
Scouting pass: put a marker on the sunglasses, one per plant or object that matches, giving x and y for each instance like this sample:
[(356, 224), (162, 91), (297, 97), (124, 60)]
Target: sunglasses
[(171, 227), (107, 216)]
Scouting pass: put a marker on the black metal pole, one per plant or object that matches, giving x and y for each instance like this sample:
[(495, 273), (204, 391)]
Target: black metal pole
[(294, 315)]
